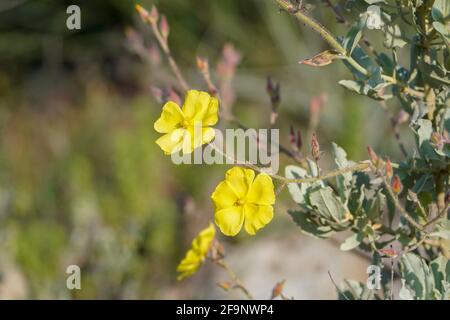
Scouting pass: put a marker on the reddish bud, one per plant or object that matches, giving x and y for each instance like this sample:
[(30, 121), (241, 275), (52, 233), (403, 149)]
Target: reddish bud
[(397, 185), (373, 156), (225, 285), (164, 27), (391, 253), (278, 289), (315, 148), (202, 64), (388, 168)]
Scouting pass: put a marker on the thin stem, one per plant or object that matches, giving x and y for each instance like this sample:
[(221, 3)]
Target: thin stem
[(238, 283), (165, 48)]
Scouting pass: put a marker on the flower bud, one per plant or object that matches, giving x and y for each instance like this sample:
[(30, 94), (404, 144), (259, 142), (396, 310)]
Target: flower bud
[(397, 185), (164, 27), (373, 156), (225, 285), (278, 289), (202, 64), (388, 168)]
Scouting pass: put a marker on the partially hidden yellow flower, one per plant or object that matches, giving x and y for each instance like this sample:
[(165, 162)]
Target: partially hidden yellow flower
[(188, 127), (197, 253), (242, 199)]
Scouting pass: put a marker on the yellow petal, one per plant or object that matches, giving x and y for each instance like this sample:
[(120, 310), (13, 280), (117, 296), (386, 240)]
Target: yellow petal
[(223, 196), (202, 242), (171, 117), (240, 180), (196, 137), (256, 217), (230, 220), (189, 265), (262, 190), (172, 142), (208, 135), (200, 106)]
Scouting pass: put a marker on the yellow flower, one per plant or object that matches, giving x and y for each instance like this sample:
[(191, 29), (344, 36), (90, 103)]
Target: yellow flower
[(199, 112), (197, 253), (242, 199)]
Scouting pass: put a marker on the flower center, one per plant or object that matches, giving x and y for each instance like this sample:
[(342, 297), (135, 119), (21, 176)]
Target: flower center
[(185, 124), (239, 202)]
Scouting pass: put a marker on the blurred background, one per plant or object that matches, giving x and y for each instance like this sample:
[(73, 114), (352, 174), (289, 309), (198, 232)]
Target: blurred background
[(83, 182)]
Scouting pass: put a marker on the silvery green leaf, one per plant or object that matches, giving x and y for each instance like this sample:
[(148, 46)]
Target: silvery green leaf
[(441, 272), (297, 190), (353, 36), (343, 181), (442, 230), (352, 242), (327, 204), (418, 276), (376, 205), (355, 290), (423, 133), (309, 226), (393, 37), (405, 293)]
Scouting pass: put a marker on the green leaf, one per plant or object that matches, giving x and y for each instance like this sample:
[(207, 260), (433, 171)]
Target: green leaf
[(443, 230), (352, 242), (328, 206), (440, 13), (393, 37), (418, 276), (309, 226), (355, 290), (298, 190), (424, 129), (441, 272), (343, 181), (405, 293), (353, 36)]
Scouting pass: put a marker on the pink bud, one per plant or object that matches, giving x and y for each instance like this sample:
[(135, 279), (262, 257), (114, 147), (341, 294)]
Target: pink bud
[(373, 156), (164, 27)]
